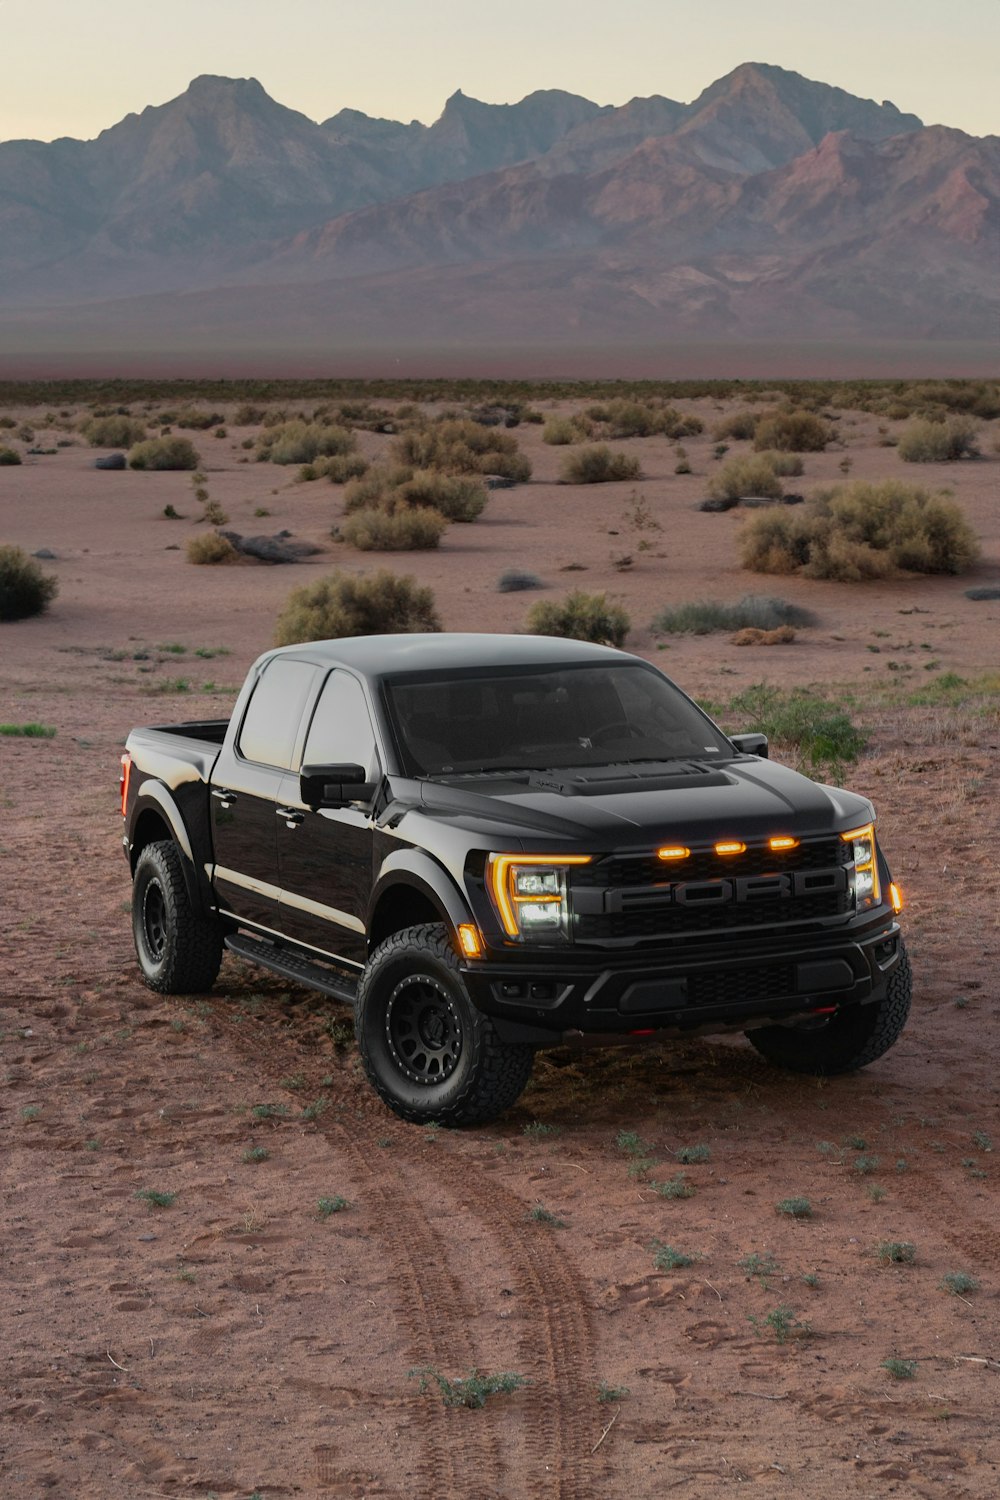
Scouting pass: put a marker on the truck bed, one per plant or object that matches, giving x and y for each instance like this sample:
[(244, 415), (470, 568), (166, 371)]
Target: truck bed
[(179, 752)]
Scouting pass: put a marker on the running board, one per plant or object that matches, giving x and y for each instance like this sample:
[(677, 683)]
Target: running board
[(290, 965)]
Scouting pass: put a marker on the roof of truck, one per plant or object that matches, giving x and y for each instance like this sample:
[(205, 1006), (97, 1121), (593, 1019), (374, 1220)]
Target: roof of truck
[(385, 655)]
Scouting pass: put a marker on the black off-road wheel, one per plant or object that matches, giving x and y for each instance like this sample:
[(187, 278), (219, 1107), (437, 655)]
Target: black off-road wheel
[(179, 952), (431, 1056), (851, 1039)]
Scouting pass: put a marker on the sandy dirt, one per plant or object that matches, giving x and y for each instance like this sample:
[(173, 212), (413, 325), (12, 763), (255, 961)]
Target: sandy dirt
[(239, 1340)]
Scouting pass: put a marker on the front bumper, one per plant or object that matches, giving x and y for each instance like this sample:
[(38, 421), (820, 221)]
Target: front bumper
[(702, 989)]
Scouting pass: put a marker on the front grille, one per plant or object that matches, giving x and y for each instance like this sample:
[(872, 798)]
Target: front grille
[(673, 921), (644, 897)]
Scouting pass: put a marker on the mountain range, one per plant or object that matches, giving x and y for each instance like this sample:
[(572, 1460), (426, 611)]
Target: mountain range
[(771, 207)]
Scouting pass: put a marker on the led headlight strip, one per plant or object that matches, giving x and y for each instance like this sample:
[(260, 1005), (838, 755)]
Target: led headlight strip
[(530, 890), (867, 889)]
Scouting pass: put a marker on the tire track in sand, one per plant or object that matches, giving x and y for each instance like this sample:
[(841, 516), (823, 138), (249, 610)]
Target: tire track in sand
[(559, 1425)]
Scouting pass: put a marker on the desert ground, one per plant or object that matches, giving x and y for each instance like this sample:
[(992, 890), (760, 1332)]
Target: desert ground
[(245, 1339)]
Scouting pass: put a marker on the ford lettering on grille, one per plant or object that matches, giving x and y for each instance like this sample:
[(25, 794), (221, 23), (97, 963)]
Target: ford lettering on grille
[(737, 889)]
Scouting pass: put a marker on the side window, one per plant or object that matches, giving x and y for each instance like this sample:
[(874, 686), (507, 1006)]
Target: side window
[(271, 724), (341, 731)]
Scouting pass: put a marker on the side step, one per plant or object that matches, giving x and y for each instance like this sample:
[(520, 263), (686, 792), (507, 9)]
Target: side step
[(288, 963)]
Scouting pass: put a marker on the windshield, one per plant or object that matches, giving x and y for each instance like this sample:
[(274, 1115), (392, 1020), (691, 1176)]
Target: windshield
[(535, 718)]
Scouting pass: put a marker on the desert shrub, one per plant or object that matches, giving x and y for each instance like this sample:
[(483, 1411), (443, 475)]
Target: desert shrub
[(24, 589), (753, 611), (455, 497), (248, 416), (9, 458), (753, 475), (375, 486), (458, 446), (341, 467), (626, 419), (598, 466), (341, 605), (791, 432), (788, 465), (391, 487), (113, 431), (300, 442), (210, 547), (198, 421), (410, 529), (560, 431), (514, 581), (581, 617), (926, 442), (163, 453), (862, 531), (741, 426)]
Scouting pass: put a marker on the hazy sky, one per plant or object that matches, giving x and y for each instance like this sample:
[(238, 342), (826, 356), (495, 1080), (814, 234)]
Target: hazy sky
[(73, 68)]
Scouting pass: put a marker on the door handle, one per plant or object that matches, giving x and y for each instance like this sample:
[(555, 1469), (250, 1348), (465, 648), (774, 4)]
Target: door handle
[(227, 798), (291, 817)]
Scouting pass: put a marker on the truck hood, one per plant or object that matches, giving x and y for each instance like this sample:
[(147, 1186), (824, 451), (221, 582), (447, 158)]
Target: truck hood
[(619, 807)]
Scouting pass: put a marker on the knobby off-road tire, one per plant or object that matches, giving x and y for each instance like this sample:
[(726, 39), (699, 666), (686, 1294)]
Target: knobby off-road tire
[(429, 1053), (179, 951), (851, 1039)]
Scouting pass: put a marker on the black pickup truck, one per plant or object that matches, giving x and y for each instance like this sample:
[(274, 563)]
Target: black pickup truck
[(485, 843)]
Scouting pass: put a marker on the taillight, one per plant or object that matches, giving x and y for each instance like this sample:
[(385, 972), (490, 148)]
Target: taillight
[(123, 778)]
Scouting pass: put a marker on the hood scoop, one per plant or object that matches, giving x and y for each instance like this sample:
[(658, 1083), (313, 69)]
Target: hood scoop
[(611, 781)]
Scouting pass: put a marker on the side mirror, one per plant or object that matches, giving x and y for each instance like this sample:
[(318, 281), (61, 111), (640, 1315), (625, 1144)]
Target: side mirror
[(335, 786), (751, 744)]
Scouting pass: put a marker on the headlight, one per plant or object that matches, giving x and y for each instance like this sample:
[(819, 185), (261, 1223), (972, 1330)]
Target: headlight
[(529, 892), (867, 891)]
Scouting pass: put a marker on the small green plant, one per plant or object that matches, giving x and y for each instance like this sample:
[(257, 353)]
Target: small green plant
[(24, 589), (782, 1322), (689, 1155), (895, 1253), (539, 1214), (900, 1369), (30, 731), (958, 1283), (667, 1258), (269, 1111), (155, 1198), (581, 617), (255, 1154), (865, 1165), (92, 1145), (31, 1112), (607, 1393), (982, 1141), (214, 514), (313, 1110), (327, 1206), (472, 1390), (537, 1130), (821, 730), (184, 1274), (631, 1143), (810, 1279), (341, 1033), (674, 1187), (599, 465), (876, 1193), (759, 1264), (795, 1208)]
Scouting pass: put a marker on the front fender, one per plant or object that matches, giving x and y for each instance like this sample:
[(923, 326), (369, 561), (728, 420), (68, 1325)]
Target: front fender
[(413, 869)]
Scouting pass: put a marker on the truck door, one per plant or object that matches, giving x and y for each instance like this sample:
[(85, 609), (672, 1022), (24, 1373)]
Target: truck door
[(244, 792), (325, 854)]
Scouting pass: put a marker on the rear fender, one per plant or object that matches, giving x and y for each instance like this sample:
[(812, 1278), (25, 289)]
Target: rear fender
[(153, 797)]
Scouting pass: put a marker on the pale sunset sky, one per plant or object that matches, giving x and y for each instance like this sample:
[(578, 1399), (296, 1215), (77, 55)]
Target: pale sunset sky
[(75, 68)]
